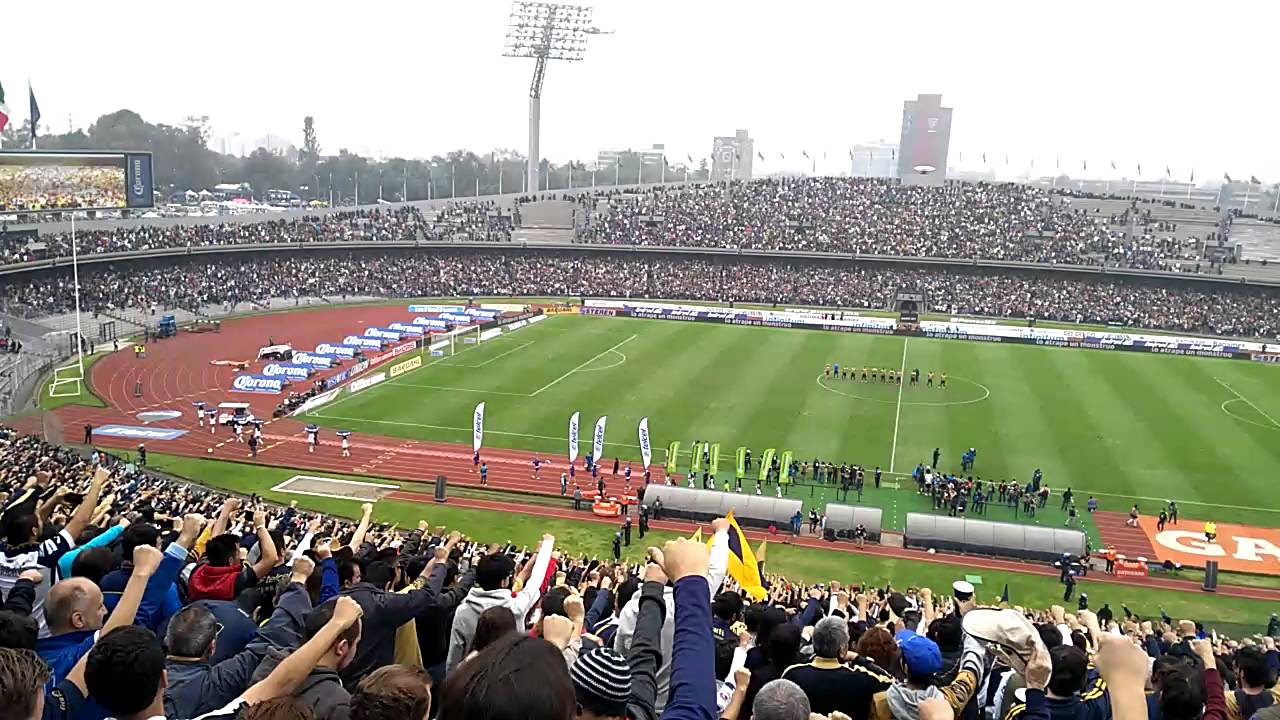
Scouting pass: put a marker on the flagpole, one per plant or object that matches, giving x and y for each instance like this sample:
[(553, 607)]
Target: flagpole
[(499, 176), (357, 188), (75, 280)]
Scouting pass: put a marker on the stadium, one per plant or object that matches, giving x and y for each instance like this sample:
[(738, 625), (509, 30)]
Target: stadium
[(872, 441)]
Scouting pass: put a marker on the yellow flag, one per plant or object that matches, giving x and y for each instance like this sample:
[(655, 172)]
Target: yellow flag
[(697, 535), (742, 562)]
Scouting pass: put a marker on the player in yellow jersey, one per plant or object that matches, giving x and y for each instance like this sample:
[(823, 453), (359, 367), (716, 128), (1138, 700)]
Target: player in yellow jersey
[(826, 372), (929, 381), (943, 382)]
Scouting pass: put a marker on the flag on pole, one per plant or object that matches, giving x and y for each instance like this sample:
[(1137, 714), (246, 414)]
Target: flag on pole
[(4, 110), (984, 158), (597, 439), (1113, 164), (1167, 171), (646, 453), (573, 437), (1226, 177), (742, 562), (477, 428), (697, 535), (760, 155), (805, 153), (690, 158), (1139, 169), (1254, 179), (35, 112), (1193, 176), (781, 156), (850, 154), (1084, 164), (1004, 596)]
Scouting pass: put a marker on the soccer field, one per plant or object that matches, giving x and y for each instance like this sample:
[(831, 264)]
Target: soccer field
[(1125, 427)]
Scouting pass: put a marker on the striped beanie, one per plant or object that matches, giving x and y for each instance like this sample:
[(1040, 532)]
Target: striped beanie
[(602, 682)]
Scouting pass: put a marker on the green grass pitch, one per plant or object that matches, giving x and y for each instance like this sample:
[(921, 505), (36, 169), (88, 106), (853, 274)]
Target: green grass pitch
[(1125, 427)]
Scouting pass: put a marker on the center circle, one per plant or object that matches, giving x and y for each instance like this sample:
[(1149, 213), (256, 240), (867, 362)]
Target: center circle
[(981, 391)]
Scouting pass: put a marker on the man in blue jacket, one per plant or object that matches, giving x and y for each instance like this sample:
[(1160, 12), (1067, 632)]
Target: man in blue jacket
[(195, 685), (77, 615)]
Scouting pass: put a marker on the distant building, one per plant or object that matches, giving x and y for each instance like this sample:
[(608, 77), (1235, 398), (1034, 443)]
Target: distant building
[(731, 157), (926, 135), (875, 160)]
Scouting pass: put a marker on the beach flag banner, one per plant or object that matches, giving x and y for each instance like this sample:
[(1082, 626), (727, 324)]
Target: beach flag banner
[(646, 452), (784, 465), (673, 452), (715, 458), (741, 463), (573, 437), (477, 428), (695, 465), (765, 461), (597, 438)]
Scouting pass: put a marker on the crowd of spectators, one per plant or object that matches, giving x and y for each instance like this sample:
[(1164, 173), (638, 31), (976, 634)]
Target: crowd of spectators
[(475, 221), (1250, 311), (61, 187), (1001, 221), (133, 597), (404, 224), (997, 221)]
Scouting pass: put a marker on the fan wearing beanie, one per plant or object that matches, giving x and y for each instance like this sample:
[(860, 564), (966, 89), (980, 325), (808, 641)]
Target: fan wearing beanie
[(601, 684)]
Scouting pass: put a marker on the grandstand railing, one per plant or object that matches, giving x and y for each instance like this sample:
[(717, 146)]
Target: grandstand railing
[(18, 269)]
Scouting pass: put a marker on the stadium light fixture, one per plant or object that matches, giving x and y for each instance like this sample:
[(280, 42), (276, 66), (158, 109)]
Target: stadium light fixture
[(545, 31)]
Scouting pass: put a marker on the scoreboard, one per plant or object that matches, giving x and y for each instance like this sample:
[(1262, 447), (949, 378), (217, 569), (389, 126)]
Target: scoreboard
[(60, 181)]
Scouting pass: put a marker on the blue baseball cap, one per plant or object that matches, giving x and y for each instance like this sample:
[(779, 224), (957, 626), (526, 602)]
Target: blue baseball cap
[(920, 654)]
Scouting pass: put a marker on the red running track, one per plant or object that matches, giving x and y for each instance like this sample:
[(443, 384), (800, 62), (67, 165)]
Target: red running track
[(177, 372), (1131, 542)]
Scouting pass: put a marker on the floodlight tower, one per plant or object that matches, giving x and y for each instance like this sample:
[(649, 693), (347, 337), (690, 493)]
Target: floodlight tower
[(545, 31)]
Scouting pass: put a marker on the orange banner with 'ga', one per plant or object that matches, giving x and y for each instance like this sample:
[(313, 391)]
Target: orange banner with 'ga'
[(1239, 548)]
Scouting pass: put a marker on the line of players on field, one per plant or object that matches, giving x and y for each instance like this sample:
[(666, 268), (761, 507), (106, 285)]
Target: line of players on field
[(883, 375)]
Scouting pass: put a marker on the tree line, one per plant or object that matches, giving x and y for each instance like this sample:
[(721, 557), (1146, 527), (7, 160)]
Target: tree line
[(182, 160)]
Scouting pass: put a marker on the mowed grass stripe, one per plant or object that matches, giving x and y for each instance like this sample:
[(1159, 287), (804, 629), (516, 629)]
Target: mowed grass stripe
[(1181, 460)]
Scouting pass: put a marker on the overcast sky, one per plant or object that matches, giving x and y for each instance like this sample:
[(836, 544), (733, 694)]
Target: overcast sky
[(1130, 80)]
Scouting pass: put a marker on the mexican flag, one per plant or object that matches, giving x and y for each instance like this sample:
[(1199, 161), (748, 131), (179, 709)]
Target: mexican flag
[(4, 110)]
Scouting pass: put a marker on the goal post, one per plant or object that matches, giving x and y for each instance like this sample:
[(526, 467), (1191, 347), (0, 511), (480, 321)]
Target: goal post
[(67, 381)]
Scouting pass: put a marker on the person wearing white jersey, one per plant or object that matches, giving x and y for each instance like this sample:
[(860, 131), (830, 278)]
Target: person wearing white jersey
[(22, 527)]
